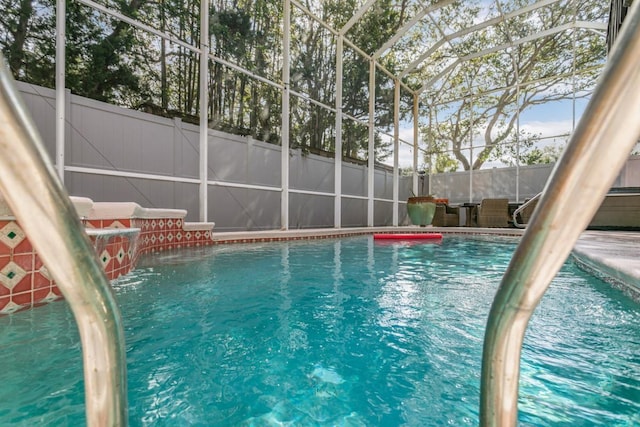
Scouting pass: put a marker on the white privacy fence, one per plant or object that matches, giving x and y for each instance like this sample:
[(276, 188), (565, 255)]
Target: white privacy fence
[(515, 183), (115, 154)]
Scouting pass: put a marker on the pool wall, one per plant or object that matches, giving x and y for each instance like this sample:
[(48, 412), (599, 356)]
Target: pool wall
[(120, 233)]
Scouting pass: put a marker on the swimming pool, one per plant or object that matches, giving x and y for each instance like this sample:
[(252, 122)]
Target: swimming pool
[(334, 332)]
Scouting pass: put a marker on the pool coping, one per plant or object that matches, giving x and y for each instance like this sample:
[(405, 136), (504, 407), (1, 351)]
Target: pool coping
[(614, 256), (329, 233)]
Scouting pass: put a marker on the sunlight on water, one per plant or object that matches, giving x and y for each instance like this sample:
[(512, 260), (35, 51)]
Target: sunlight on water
[(331, 333)]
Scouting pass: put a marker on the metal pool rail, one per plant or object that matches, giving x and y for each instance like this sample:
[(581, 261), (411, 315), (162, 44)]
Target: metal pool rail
[(525, 205), (601, 143), (41, 205)]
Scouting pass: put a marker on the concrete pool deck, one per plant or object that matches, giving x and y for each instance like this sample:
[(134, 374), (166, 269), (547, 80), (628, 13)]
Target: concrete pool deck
[(612, 255)]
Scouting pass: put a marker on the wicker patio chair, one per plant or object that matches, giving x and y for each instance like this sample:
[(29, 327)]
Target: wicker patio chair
[(493, 213), (617, 212), (446, 216)]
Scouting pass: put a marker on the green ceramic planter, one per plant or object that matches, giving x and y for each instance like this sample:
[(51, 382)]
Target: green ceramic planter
[(421, 210)]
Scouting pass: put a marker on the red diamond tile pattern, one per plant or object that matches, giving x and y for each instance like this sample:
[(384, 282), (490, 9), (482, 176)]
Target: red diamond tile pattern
[(21, 284), (167, 233), (25, 282)]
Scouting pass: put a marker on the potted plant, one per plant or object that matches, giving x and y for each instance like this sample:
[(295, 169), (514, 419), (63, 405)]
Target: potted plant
[(421, 209)]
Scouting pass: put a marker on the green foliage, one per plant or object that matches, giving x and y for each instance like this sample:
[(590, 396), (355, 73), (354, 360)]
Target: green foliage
[(112, 61), (27, 36), (547, 154), (444, 163)]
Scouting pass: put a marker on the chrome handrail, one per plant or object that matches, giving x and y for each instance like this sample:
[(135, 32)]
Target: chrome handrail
[(599, 147), (523, 207), (39, 202)]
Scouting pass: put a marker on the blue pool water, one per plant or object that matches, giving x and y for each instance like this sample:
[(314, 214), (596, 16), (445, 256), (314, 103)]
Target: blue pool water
[(331, 333)]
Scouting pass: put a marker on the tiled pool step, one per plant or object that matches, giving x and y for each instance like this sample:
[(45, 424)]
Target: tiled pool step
[(120, 233)]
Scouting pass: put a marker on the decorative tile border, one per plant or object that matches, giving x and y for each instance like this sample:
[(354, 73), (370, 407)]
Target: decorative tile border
[(26, 283), (230, 241), (292, 235)]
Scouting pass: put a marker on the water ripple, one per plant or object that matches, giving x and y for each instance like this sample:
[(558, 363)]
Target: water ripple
[(332, 333)]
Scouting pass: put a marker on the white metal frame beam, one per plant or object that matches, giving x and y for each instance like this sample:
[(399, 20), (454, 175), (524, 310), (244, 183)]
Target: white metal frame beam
[(284, 137), (61, 101), (408, 25), (337, 178), (371, 162), (356, 17), (447, 38), (396, 149), (518, 85), (204, 110), (542, 34)]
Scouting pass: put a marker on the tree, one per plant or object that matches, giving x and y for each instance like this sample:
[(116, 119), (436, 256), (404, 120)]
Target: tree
[(27, 38), (370, 33), (547, 154), (106, 70), (479, 101)]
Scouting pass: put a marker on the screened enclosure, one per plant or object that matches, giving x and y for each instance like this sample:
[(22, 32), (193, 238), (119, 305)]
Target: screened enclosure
[(481, 95)]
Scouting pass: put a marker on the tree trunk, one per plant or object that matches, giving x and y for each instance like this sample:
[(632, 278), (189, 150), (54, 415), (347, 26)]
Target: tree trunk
[(16, 49)]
